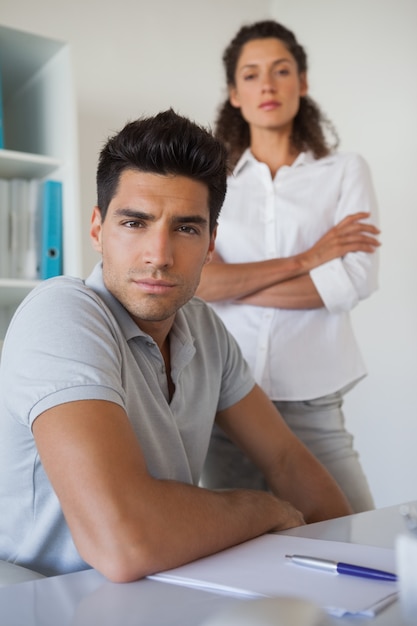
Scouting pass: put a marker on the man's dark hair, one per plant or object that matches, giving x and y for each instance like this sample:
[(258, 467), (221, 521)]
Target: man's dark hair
[(166, 144)]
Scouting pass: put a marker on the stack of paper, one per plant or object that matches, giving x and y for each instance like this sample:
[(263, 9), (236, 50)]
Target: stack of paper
[(259, 568)]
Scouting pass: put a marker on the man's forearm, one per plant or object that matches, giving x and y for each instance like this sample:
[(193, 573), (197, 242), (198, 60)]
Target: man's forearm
[(182, 523), (317, 496)]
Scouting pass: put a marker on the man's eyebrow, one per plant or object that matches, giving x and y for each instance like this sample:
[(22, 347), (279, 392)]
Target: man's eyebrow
[(177, 219), (125, 212), (190, 219)]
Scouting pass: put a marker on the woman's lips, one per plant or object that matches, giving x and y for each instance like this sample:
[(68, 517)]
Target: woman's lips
[(270, 105)]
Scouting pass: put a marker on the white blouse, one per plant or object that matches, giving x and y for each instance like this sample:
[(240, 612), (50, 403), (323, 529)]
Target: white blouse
[(298, 354)]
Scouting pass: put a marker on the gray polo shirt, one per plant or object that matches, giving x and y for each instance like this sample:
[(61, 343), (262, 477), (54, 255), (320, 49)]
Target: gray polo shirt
[(71, 340)]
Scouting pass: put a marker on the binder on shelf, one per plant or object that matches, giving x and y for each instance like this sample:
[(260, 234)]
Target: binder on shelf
[(1, 115), (19, 229), (51, 230), (19, 204), (31, 260), (4, 229)]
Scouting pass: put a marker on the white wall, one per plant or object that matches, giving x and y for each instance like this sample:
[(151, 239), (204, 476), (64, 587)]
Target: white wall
[(134, 57), (363, 58)]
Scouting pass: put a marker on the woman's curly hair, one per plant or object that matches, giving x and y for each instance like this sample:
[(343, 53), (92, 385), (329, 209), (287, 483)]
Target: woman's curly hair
[(311, 128)]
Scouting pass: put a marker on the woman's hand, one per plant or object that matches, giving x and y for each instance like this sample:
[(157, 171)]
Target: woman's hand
[(352, 234)]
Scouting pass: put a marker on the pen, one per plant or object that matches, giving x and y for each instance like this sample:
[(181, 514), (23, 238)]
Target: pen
[(340, 568)]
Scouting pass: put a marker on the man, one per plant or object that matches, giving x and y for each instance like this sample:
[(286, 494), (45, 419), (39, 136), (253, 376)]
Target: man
[(110, 387)]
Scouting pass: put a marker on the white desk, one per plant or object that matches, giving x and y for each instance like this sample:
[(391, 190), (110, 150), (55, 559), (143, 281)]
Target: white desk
[(86, 598)]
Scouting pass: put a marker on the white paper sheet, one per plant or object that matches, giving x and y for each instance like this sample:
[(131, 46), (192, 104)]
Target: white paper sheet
[(258, 568)]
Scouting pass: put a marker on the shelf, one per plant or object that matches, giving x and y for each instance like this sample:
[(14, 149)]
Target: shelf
[(13, 291), (40, 139), (23, 54), (23, 165)]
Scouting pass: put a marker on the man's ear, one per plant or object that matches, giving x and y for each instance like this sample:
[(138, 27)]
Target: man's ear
[(211, 246), (95, 229)]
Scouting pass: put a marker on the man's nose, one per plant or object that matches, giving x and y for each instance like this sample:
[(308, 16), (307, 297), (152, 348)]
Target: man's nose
[(159, 248)]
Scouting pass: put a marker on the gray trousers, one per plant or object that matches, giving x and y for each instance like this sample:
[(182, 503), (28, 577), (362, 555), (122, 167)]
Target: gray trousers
[(320, 425)]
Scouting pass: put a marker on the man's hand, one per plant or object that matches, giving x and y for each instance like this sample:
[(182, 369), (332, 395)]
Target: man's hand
[(291, 470), (291, 517)]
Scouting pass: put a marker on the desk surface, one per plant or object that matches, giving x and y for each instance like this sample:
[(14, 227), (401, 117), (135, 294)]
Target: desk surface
[(86, 598)]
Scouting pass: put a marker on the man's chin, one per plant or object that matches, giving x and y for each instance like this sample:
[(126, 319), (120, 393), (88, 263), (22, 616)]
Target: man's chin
[(153, 314)]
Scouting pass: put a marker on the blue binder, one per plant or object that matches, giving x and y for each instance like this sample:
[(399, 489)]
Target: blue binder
[(51, 235)]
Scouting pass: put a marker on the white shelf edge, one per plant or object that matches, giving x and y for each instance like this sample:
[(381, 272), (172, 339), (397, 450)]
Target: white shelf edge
[(15, 164), (14, 290)]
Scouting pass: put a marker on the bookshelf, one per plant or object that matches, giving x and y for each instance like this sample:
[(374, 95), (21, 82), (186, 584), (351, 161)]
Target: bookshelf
[(40, 138)]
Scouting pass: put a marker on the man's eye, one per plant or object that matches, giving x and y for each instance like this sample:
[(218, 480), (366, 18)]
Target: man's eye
[(132, 224), (187, 229)]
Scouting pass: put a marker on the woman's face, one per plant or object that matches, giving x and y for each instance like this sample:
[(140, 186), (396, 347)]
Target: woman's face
[(268, 85)]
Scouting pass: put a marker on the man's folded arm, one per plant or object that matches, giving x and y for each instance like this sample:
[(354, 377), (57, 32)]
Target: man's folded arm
[(124, 522)]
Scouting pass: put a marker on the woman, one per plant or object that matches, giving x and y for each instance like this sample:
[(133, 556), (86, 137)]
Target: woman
[(294, 254)]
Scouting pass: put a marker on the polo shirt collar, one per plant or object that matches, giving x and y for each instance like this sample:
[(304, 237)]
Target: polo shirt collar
[(129, 328)]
